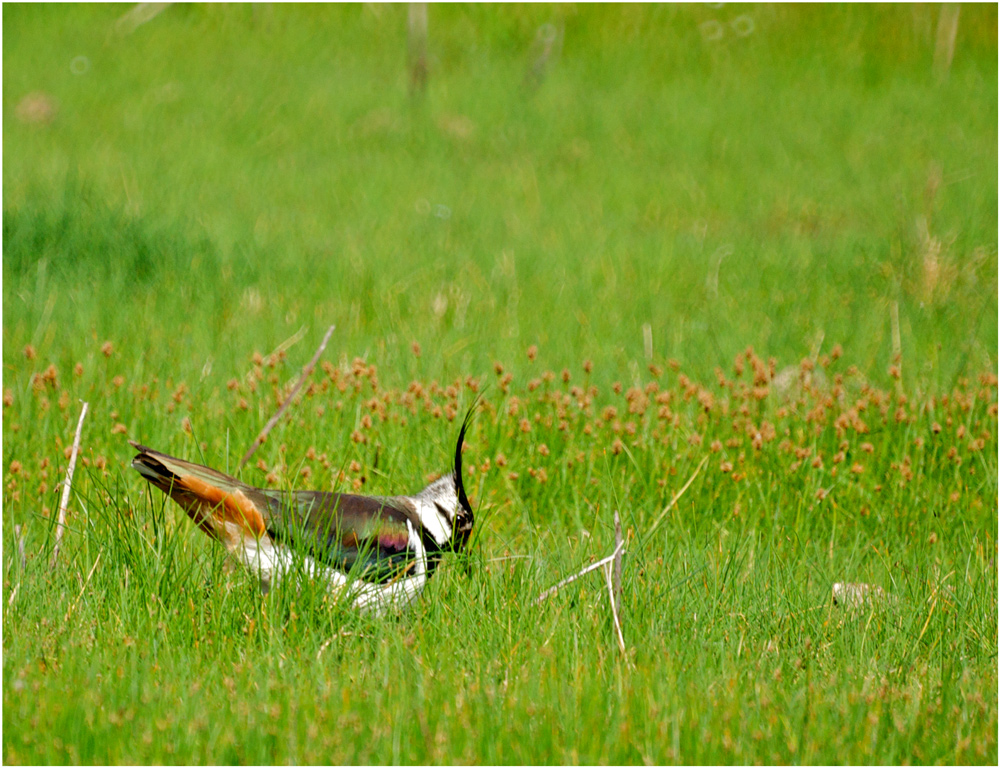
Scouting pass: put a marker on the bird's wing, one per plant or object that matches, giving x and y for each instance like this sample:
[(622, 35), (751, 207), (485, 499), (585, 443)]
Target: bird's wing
[(222, 506), (366, 534)]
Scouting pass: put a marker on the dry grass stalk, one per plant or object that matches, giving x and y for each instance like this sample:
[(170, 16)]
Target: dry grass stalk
[(647, 340), (290, 342), (592, 567), (67, 485), (675, 499), (83, 587), (308, 369), (897, 345)]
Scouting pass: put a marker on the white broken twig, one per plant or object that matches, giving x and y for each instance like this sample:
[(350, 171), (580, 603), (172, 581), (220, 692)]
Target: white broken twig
[(614, 608), (592, 567), (19, 538), (618, 560), (61, 525)]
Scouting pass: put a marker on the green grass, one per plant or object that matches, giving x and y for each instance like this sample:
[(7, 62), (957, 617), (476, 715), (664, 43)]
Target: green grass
[(228, 181)]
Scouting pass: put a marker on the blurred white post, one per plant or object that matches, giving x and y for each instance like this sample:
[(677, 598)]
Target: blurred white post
[(137, 16), (416, 39), (544, 50), (944, 48)]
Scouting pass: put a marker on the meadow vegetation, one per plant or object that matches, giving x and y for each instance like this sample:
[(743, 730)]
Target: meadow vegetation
[(755, 246)]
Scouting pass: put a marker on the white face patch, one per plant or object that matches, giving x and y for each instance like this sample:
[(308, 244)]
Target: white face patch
[(437, 506)]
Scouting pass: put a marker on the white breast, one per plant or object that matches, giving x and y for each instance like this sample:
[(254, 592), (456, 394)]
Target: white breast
[(270, 563)]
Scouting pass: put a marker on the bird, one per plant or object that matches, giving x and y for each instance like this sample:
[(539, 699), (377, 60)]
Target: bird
[(380, 550)]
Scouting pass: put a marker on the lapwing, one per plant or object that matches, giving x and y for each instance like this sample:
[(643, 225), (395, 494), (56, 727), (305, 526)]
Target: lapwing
[(379, 550)]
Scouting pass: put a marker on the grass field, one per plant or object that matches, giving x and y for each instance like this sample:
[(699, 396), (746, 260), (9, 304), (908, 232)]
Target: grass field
[(754, 246)]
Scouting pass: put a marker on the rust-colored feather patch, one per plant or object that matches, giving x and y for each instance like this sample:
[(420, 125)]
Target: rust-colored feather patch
[(232, 507)]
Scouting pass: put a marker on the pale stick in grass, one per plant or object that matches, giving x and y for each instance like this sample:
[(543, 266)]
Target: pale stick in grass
[(19, 538), (592, 567), (308, 369), (674, 500), (614, 609), (23, 560), (67, 484), (618, 560)]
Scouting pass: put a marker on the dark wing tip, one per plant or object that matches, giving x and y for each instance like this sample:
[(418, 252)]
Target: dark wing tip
[(142, 448)]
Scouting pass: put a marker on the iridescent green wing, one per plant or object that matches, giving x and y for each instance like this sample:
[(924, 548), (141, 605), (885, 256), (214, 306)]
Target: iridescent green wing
[(360, 534)]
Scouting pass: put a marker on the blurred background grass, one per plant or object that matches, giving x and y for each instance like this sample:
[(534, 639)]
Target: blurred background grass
[(763, 175), (625, 184)]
